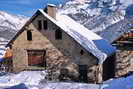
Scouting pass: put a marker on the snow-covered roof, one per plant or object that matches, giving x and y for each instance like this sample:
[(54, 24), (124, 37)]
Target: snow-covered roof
[(86, 38)]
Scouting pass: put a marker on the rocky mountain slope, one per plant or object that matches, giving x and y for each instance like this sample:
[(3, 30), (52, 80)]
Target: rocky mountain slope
[(105, 17), (10, 24)]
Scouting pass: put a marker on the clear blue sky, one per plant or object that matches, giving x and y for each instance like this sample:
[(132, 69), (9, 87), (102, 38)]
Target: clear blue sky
[(24, 7)]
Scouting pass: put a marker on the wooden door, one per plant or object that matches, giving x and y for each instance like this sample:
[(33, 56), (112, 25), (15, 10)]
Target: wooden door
[(36, 57)]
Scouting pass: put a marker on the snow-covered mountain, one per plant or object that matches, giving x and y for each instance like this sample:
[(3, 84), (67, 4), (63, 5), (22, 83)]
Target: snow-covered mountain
[(10, 24), (101, 16)]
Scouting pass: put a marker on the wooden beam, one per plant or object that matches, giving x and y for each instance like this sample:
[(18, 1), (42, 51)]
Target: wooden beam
[(124, 42)]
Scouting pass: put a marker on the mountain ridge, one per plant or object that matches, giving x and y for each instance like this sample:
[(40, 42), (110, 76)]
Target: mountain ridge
[(10, 24), (99, 15)]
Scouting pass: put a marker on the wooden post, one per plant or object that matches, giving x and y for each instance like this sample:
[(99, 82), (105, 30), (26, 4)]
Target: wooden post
[(45, 60), (99, 73)]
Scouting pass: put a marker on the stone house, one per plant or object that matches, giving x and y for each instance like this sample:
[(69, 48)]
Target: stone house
[(58, 43), (120, 35), (124, 54)]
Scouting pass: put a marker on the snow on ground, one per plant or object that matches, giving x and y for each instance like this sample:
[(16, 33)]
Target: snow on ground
[(121, 83), (35, 80), (26, 77)]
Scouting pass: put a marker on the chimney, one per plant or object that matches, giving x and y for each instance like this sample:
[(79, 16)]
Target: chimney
[(51, 10)]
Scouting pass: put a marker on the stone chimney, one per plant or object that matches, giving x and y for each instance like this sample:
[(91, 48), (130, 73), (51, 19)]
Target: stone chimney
[(51, 10)]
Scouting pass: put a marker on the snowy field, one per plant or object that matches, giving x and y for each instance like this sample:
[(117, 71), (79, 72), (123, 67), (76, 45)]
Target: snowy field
[(36, 80)]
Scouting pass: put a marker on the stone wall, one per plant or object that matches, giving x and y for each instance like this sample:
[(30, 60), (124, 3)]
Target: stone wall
[(124, 60)]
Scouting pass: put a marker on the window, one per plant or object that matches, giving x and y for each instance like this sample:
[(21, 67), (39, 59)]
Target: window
[(58, 34), (29, 35), (39, 24), (81, 52), (45, 24)]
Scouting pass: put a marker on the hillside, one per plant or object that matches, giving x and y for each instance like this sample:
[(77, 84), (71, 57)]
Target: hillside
[(10, 24), (101, 16)]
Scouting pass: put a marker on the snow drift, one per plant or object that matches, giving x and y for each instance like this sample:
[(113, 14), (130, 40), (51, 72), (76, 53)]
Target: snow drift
[(36, 80)]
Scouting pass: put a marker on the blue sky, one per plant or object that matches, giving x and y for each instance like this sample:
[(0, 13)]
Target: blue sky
[(24, 7)]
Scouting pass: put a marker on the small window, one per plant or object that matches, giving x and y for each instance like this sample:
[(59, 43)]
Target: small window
[(82, 52), (29, 35), (45, 24), (58, 34), (39, 24)]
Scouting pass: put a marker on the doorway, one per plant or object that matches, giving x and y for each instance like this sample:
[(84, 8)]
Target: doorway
[(83, 73), (109, 68)]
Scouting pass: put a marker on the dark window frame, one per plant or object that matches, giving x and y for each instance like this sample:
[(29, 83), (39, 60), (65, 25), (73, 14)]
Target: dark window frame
[(40, 24), (29, 35), (45, 24), (58, 34), (82, 52)]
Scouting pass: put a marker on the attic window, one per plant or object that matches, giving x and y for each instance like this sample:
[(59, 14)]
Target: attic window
[(58, 34), (29, 35), (39, 24), (82, 52), (45, 24)]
